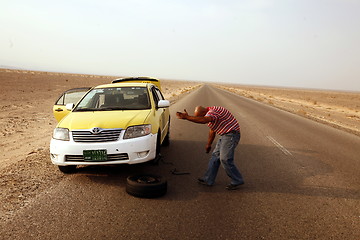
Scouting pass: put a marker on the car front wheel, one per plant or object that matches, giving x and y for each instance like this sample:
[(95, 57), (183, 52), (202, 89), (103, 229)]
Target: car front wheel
[(157, 158), (166, 141)]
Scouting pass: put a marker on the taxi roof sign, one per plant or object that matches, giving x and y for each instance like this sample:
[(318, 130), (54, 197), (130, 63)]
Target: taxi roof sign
[(154, 81)]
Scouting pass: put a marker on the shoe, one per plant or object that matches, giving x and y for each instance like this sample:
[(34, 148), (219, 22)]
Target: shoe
[(233, 186), (202, 182)]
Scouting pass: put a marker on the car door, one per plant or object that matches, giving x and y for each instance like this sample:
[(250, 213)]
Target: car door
[(69, 96), (163, 112)]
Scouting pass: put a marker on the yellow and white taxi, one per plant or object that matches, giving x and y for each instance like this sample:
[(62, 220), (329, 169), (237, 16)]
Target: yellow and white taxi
[(124, 122)]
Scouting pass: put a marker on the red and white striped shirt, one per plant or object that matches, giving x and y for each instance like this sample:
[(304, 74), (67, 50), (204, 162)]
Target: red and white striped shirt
[(223, 121)]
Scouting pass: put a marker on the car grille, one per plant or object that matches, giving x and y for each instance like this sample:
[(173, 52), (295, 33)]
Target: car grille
[(103, 136), (110, 157)]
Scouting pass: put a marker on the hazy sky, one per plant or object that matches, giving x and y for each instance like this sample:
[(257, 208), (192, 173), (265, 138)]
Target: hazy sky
[(294, 43)]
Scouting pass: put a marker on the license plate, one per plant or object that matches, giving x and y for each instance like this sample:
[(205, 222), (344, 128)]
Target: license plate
[(95, 155)]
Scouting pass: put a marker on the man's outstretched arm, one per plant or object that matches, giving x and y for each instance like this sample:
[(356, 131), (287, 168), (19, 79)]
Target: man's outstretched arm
[(201, 120)]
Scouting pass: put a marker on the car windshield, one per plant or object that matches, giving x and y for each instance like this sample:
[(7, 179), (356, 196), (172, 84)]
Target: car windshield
[(116, 98)]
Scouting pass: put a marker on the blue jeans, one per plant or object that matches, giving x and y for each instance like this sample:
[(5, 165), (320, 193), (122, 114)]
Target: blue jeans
[(224, 154)]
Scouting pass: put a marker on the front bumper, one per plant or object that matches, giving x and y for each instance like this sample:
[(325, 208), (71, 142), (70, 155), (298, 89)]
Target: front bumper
[(128, 151)]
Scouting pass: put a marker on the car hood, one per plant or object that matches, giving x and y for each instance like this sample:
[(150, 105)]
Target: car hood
[(104, 119)]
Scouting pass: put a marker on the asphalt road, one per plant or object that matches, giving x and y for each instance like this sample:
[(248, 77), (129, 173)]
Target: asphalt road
[(302, 181)]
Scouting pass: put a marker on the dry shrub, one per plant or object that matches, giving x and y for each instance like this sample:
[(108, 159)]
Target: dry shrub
[(302, 112)]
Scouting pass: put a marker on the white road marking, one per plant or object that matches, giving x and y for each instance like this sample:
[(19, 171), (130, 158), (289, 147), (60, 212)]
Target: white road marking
[(282, 148)]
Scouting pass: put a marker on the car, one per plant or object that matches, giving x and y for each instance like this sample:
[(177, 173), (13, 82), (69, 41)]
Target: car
[(124, 122)]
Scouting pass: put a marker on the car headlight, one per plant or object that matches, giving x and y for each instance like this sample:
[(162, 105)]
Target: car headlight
[(137, 131), (61, 134)]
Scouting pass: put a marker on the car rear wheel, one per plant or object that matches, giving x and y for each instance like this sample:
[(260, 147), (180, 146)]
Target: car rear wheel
[(158, 144), (68, 169), (146, 186)]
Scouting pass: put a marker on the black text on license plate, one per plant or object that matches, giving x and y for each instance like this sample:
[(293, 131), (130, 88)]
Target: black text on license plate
[(95, 155)]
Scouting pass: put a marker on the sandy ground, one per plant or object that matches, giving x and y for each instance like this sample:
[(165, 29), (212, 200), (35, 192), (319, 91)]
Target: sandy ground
[(26, 123), (338, 109)]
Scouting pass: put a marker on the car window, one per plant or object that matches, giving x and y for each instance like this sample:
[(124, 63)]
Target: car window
[(115, 98), (157, 94), (160, 96), (71, 96)]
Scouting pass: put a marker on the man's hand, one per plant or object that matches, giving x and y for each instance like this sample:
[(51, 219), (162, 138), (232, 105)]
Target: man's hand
[(210, 140), (183, 115), (208, 148)]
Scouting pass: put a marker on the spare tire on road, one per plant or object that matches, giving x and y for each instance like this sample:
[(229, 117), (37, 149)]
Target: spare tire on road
[(146, 186)]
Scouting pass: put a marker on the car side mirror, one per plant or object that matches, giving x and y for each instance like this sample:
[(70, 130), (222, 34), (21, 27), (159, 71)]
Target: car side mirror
[(163, 104), (69, 106)]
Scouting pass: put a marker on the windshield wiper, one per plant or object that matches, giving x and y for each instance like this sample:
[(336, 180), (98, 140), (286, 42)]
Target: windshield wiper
[(86, 109), (102, 109), (114, 108)]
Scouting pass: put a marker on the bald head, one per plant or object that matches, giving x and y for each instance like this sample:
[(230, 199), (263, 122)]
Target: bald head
[(200, 111)]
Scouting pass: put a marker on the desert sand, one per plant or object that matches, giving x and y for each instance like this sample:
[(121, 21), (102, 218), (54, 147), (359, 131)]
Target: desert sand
[(335, 108), (26, 123)]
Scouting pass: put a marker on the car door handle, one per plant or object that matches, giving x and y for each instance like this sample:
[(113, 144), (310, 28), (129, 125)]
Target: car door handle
[(59, 110)]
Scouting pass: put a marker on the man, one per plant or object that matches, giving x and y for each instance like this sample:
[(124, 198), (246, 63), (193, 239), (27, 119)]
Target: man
[(222, 122)]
